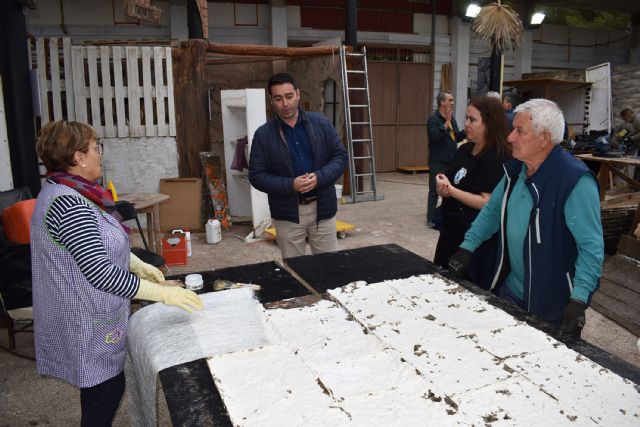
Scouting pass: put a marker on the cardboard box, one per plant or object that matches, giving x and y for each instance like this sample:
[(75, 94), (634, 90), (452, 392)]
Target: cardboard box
[(174, 249), (182, 210)]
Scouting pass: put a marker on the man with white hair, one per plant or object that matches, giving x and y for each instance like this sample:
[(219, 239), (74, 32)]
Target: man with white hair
[(547, 212), (494, 94)]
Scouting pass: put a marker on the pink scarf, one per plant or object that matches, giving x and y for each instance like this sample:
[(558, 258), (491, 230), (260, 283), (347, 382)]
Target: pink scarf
[(90, 190)]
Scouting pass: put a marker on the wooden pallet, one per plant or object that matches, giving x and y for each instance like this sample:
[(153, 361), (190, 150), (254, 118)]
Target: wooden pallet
[(413, 169)]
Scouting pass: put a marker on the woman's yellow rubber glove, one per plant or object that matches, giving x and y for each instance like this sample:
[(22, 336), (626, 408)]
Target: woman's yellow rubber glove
[(170, 295), (143, 270)]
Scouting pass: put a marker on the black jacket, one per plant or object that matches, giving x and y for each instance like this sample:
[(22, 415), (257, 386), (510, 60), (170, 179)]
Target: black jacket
[(441, 147)]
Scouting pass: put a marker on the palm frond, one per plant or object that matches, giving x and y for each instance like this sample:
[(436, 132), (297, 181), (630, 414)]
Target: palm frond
[(500, 24)]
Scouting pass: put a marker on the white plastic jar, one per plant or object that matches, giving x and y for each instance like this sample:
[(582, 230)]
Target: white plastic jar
[(193, 282)]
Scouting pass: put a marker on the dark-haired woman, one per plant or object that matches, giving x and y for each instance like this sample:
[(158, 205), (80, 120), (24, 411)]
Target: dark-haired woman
[(469, 181)]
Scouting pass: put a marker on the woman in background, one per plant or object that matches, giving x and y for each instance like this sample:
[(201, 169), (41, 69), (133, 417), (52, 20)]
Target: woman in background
[(469, 181), (84, 275)]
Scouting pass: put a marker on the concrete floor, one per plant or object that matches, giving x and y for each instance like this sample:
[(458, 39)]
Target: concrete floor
[(28, 399)]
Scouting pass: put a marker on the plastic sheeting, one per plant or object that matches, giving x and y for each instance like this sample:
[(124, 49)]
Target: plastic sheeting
[(161, 336)]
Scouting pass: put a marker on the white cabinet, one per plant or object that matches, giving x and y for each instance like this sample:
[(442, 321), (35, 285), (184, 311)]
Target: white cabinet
[(243, 111)]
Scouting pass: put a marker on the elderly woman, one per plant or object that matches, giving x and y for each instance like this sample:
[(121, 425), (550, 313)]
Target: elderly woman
[(469, 181), (84, 274), (547, 211)]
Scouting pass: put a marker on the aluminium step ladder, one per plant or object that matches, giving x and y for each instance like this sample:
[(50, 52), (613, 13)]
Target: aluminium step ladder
[(357, 115)]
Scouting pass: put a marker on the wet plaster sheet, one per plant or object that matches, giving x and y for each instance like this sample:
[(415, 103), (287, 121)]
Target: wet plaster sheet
[(161, 336), (416, 351)]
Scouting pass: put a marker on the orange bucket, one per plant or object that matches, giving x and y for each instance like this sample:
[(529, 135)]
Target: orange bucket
[(16, 220)]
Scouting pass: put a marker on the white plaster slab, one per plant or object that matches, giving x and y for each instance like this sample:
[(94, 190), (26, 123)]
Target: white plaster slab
[(454, 364), (455, 306), (335, 347), (323, 333), (579, 383), (512, 341), (390, 306), (372, 374), (419, 285), (399, 408), (515, 402), (468, 315), (422, 297), (271, 386)]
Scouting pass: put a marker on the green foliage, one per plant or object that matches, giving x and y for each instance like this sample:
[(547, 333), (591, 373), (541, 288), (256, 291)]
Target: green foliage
[(587, 18)]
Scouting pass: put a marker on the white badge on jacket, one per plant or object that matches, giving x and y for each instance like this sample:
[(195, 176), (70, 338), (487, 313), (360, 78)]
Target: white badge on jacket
[(459, 175)]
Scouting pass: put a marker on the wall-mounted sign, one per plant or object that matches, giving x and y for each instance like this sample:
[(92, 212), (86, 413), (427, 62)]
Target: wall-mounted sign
[(143, 10)]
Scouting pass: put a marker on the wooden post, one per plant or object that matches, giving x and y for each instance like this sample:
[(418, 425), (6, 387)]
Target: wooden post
[(191, 106)]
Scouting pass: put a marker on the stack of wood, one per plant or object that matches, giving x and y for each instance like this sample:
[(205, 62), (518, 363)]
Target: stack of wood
[(619, 295)]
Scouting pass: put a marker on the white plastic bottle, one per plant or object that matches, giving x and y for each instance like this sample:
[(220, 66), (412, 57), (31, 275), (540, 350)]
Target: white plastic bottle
[(187, 237), (214, 231)]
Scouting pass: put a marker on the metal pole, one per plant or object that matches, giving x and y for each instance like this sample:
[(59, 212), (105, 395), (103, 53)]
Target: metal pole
[(194, 23), (351, 23), (494, 73), (433, 35), (18, 105)]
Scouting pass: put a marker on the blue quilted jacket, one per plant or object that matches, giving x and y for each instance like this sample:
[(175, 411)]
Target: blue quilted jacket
[(271, 169)]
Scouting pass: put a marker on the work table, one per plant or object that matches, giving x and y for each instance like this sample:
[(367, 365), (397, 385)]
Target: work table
[(189, 389)]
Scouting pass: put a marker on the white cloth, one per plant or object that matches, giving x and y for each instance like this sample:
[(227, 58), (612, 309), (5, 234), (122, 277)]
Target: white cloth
[(161, 336)]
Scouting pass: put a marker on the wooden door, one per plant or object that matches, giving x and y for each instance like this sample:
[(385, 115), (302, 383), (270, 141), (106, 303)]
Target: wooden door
[(414, 99), (400, 99), (383, 78)]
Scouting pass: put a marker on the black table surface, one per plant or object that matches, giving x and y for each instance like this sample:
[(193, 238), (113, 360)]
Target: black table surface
[(191, 395), (371, 264), (275, 282)]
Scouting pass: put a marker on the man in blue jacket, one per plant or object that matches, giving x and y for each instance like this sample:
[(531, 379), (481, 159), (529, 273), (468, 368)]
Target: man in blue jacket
[(546, 209), (296, 159)]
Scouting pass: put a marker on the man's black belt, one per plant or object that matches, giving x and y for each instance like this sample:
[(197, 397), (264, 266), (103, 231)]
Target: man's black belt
[(307, 201)]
